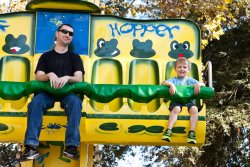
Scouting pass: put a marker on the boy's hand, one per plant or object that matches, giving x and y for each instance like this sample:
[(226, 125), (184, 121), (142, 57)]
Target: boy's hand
[(197, 89), (172, 89)]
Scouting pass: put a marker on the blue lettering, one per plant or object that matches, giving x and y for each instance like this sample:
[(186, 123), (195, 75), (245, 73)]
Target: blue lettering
[(170, 31), (126, 28), (113, 29), (148, 28), (160, 30), (3, 27), (137, 27)]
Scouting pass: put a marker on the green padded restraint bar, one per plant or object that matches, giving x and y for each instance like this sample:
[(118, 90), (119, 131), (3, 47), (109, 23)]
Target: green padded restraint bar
[(104, 93)]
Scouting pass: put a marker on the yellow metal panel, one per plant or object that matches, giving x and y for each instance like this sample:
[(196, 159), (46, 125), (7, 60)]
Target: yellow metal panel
[(16, 66), (16, 27), (121, 121), (51, 155)]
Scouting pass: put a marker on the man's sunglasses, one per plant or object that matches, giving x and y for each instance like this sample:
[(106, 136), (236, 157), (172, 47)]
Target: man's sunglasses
[(66, 32)]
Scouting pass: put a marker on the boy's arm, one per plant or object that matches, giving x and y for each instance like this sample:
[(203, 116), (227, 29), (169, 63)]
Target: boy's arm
[(172, 88), (197, 87)]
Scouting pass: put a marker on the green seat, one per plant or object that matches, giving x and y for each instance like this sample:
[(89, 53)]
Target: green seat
[(16, 69), (107, 71), (144, 71)]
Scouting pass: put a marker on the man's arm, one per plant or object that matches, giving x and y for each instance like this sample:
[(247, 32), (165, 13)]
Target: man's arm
[(71, 79), (76, 78), (52, 77)]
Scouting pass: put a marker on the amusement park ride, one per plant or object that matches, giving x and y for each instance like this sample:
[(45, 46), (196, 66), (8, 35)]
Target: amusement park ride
[(125, 61)]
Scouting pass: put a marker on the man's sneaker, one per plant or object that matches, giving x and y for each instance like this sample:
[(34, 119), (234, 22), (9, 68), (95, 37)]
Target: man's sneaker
[(166, 135), (71, 152), (191, 137), (30, 152)]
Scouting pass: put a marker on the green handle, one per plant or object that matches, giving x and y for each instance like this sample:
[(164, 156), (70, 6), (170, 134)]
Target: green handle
[(104, 93)]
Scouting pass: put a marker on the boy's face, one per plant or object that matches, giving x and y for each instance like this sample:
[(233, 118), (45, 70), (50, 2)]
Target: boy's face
[(182, 69)]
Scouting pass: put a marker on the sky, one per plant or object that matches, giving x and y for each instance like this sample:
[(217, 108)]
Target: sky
[(3, 1)]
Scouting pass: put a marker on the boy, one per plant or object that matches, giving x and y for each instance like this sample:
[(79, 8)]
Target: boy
[(182, 67)]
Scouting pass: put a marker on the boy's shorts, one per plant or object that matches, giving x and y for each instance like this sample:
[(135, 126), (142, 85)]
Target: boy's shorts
[(173, 104)]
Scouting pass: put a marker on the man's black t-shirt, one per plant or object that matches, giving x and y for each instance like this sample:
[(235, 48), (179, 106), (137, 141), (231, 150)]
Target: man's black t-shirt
[(61, 64)]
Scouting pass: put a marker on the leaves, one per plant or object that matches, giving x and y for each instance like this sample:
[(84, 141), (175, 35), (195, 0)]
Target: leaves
[(214, 17), (228, 124), (13, 6)]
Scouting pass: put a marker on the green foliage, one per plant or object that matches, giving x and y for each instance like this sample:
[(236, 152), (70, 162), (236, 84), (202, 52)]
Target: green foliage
[(214, 17), (9, 154), (228, 117), (13, 6), (107, 155), (228, 113)]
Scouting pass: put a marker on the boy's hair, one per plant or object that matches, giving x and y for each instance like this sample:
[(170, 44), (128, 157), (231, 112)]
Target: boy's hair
[(59, 28), (182, 60)]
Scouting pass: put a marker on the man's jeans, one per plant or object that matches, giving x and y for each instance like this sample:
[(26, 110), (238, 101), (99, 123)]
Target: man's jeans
[(39, 105)]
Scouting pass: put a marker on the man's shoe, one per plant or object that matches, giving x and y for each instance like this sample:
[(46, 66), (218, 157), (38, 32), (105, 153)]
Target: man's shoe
[(30, 152), (71, 152), (166, 135), (191, 137)]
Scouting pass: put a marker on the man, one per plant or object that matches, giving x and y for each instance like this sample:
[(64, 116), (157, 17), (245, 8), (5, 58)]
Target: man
[(59, 66)]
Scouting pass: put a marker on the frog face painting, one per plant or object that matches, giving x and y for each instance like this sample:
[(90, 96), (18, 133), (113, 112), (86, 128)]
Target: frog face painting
[(15, 45), (142, 49), (180, 50), (107, 48)]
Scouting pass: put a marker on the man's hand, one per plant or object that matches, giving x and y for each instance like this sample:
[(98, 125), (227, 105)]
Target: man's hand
[(53, 80), (62, 81)]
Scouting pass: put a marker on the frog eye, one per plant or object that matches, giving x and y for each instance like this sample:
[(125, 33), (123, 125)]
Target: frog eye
[(185, 46), (175, 46), (101, 43)]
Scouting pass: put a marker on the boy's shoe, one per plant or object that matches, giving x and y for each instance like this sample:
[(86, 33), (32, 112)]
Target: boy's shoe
[(71, 152), (30, 152), (191, 137), (166, 135)]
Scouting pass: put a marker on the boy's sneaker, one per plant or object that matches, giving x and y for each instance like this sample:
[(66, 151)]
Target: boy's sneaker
[(30, 152), (166, 135), (191, 137), (71, 152)]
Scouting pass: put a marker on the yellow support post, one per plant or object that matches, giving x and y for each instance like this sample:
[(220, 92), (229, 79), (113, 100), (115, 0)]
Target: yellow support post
[(27, 163), (90, 154), (86, 155)]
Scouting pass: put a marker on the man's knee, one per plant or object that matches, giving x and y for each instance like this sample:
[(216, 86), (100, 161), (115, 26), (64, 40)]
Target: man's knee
[(73, 99), (72, 102), (40, 101)]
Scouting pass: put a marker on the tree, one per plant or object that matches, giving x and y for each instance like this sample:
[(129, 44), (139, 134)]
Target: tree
[(13, 6), (228, 114), (9, 154), (225, 36), (213, 17)]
